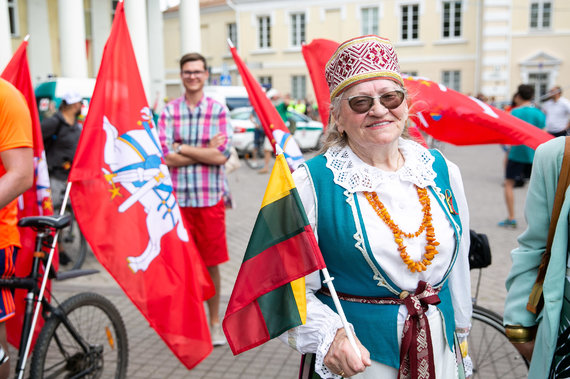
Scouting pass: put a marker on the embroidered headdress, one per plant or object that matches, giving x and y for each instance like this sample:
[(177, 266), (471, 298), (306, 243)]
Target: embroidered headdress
[(361, 59)]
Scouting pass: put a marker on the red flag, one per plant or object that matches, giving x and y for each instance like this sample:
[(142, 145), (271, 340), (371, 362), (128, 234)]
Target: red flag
[(269, 295), (124, 203), (273, 125), (316, 55), (445, 114), (452, 117), (36, 200)]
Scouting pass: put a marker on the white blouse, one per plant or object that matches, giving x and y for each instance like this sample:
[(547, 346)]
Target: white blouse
[(397, 192)]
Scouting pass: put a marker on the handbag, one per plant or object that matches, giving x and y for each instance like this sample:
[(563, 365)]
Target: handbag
[(233, 162), (479, 250), (536, 298)]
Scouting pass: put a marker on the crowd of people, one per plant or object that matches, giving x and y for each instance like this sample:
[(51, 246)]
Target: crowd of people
[(397, 247)]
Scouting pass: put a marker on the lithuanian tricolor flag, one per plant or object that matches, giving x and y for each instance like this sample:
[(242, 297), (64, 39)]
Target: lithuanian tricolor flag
[(269, 294)]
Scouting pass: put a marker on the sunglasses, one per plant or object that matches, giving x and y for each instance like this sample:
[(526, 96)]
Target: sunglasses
[(363, 103)]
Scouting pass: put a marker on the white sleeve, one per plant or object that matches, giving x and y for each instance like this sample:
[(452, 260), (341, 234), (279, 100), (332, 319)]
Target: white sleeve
[(459, 279), (317, 334)]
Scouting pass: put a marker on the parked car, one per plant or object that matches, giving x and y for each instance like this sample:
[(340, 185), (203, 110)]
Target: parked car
[(232, 96), (308, 133), (49, 93)]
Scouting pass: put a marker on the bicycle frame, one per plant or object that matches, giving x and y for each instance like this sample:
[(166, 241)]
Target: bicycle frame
[(44, 238)]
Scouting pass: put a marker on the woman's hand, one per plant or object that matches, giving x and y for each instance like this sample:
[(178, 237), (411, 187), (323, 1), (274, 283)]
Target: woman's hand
[(341, 359), (525, 348)]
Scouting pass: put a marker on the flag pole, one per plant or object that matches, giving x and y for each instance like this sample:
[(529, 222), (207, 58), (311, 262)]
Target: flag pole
[(328, 281), (44, 283)]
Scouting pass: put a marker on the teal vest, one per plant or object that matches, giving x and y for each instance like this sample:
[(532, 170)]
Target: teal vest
[(356, 271)]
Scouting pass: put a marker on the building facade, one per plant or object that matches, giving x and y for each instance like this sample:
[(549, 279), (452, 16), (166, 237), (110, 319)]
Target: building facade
[(484, 47), (473, 46)]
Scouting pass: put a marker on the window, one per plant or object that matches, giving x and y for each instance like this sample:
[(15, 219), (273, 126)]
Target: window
[(265, 81), (451, 19), (540, 81), (13, 17), (264, 32), (540, 14), (369, 20), (410, 21), (452, 79), (298, 86), (410, 73), (297, 29), (232, 33)]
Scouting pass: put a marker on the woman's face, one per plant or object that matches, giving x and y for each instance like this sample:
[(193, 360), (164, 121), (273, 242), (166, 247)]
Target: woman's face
[(377, 126)]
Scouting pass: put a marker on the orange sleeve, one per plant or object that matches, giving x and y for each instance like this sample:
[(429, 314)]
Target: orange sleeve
[(15, 120)]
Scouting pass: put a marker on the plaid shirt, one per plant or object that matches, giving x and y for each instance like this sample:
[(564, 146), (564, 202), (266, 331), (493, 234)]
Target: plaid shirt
[(196, 185)]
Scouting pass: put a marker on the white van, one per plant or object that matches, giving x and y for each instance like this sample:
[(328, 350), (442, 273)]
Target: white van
[(231, 96)]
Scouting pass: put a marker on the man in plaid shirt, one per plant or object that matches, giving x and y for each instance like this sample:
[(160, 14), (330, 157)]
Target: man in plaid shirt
[(195, 134)]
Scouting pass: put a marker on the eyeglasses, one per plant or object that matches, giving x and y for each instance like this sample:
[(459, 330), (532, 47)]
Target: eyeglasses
[(363, 103), (195, 73)]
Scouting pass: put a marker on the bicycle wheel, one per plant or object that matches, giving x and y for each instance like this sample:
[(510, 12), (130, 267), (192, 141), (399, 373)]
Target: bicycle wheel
[(492, 354), (253, 157), (72, 247), (98, 325)]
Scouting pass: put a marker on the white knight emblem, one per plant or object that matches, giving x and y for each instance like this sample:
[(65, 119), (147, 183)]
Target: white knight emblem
[(135, 159)]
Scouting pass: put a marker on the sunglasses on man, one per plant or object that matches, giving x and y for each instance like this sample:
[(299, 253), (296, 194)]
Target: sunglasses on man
[(363, 103)]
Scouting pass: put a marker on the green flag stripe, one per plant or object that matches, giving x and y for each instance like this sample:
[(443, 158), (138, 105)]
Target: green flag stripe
[(275, 223), (279, 310)]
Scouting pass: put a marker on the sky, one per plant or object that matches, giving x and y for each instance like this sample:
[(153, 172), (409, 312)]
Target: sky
[(164, 4)]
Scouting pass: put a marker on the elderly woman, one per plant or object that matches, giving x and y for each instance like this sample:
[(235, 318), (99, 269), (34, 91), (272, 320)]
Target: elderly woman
[(392, 223)]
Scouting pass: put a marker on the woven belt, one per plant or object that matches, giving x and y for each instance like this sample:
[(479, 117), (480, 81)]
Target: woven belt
[(416, 352)]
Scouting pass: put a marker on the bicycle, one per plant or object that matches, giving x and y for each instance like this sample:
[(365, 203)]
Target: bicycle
[(254, 156), (83, 337), (491, 352)]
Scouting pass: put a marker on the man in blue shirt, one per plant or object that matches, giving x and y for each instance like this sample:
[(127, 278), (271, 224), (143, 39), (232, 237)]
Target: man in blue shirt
[(519, 161)]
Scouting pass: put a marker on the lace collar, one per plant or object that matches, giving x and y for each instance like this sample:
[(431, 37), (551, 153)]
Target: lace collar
[(351, 173)]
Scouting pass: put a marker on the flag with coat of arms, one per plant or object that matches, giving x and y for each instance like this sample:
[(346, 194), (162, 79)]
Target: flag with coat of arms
[(36, 201), (123, 200)]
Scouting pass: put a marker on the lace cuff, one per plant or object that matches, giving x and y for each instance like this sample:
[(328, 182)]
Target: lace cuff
[(462, 334), (323, 348)]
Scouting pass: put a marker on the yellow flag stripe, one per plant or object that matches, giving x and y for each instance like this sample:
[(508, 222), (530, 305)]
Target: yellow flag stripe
[(280, 182), (298, 287)]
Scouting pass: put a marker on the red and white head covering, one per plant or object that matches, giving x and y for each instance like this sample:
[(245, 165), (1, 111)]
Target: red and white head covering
[(361, 59)]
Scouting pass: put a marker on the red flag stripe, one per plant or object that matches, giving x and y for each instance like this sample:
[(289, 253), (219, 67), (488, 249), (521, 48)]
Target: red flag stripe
[(296, 259)]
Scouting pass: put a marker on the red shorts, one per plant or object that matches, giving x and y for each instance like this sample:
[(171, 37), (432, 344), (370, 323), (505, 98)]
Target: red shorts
[(7, 270), (207, 226)]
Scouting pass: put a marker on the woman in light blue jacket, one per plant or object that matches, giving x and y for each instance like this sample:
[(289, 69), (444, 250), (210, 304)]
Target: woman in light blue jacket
[(526, 259)]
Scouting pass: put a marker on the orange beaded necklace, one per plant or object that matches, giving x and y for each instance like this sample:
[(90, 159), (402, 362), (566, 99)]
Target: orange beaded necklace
[(399, 234)]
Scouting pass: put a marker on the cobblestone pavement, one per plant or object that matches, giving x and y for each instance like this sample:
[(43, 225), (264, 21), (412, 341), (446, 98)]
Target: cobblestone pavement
[(482, 171)]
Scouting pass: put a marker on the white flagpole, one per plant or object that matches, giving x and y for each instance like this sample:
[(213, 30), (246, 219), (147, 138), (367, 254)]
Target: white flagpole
[(328, 281), (44, 283)]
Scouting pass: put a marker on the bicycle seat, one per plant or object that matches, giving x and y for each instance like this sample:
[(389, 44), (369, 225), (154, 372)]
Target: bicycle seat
[(57, 222)]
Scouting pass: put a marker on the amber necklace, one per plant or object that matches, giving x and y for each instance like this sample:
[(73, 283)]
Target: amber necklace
[(399, 234)]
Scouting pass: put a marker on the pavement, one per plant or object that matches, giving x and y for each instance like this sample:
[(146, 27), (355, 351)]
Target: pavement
[(149, 357)]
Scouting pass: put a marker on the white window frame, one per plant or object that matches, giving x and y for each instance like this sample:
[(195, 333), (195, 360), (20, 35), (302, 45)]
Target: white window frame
[(537, 82), (296, 81), (453, 81), (407, 10), (540, 17), (452, 29), (370, 20), (14, 18), (298, 28), (265, 80), (263, 24), (231, 29)]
